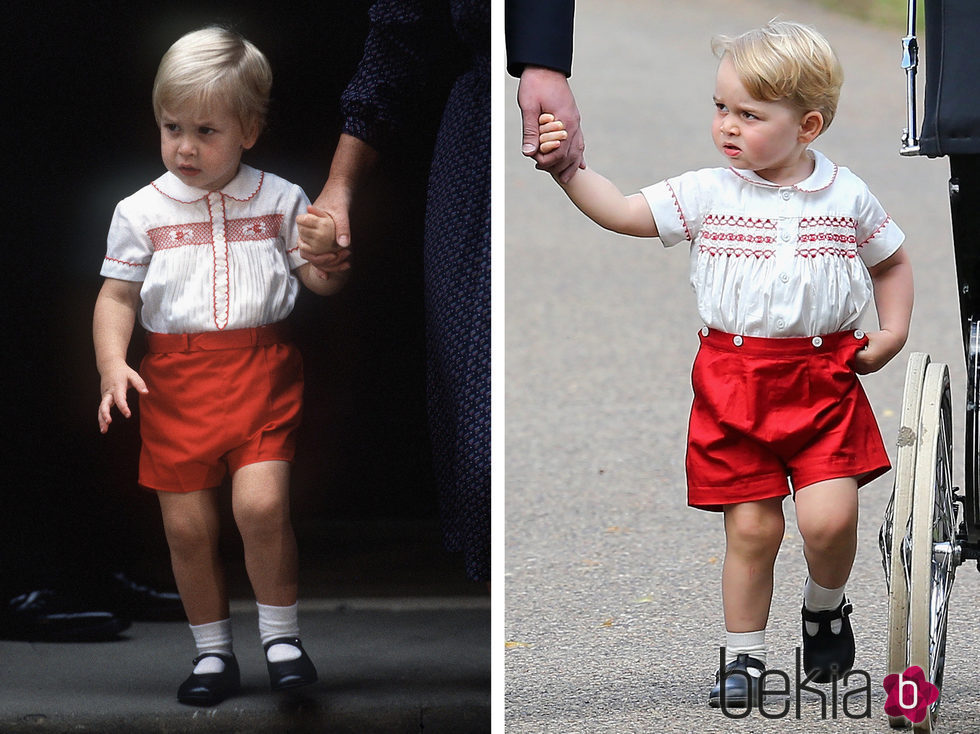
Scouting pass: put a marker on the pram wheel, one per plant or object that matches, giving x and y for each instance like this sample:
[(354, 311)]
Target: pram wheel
[(934, 552), (895, 527)]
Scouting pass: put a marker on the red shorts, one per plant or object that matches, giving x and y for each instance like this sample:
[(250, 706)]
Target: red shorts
[(217, 401), (768, 409)]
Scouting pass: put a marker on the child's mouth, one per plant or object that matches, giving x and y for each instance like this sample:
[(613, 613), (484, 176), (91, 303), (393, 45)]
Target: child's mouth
[(730, 150)]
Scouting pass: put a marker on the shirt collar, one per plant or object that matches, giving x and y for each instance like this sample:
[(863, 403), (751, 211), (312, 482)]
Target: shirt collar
[(243, 187), (824, 174)]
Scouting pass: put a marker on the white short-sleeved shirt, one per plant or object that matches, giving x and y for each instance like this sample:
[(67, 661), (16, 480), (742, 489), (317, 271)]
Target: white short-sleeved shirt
[(209, 260), (776, 261)]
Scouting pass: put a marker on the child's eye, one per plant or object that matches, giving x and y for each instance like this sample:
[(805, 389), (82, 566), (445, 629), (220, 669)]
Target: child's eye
[(171, 127), (205, 130), (720, 107), (749, 116)]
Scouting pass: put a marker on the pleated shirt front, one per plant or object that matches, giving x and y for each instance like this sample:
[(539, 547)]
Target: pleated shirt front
[(209, 260), (777, 261)]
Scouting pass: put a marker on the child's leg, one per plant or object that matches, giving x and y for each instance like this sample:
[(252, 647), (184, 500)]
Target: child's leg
[(260, 502), (753, 534), (191, 522), (827, 515)]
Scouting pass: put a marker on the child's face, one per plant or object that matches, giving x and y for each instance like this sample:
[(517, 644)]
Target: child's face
[(769, 138), (203, 147)]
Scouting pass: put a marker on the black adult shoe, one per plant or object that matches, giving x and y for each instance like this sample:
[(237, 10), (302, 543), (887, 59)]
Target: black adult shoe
[(208, 689), (734, 686), (825, 654), (290, 673), (45, 615), (140, 603)]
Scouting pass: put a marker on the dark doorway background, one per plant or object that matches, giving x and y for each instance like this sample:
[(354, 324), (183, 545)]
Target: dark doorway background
[(364, 506)]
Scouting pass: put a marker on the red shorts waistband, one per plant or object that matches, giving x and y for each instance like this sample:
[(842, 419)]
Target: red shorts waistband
[(780, 346), (208, 341)]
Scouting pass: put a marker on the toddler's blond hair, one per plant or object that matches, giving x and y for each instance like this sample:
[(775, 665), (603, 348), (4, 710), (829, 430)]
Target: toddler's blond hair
[(214, 65), (786, 61)]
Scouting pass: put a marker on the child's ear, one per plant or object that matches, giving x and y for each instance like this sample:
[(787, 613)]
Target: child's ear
[(251, 134), (811, 125)]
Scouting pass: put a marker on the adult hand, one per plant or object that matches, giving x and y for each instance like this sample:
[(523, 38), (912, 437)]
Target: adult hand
[(352, 160), (330, 211), (546, 90)]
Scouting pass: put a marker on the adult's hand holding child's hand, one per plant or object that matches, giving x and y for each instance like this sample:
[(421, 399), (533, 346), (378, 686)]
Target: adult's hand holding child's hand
[(318, 241)]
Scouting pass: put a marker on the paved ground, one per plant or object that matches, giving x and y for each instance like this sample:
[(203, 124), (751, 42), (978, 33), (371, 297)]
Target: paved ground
[(410, 653), (613, 619)]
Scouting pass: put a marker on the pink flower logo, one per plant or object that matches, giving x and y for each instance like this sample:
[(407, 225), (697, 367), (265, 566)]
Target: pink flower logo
[(909, 694)]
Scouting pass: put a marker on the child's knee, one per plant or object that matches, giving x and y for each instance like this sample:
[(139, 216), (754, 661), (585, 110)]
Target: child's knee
[(829, 530), (755, 529), (187, 533), (261, 515)]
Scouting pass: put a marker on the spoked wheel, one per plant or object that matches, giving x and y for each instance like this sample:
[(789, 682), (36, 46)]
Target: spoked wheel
[(896, 522), (934, 551)]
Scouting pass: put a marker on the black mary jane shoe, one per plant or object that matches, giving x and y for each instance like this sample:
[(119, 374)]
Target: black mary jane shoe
[(827, 655), (735, 687), (290, 673), (208, 689)]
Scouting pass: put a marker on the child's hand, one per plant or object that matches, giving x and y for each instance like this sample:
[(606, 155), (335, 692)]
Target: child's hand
[(115, 383), (318, 241), (882, 346), (317, 231), (550, 133)]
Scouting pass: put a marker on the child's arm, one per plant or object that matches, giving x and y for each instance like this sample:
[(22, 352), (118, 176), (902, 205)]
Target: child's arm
[(597, 197), (892, 280), (112, 328)]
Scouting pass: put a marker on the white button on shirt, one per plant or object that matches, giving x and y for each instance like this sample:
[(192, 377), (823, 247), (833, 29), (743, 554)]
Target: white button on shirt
[(209, 261), (776, 262)]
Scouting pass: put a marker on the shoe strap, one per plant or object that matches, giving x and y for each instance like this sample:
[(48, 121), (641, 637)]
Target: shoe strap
[(828, 615), (746, 661), (223, 656), (294, 641)]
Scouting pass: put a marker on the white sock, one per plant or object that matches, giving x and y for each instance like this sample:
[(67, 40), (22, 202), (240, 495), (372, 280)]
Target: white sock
[(275, 622), (212, 637), (818, 599), (752, 644)]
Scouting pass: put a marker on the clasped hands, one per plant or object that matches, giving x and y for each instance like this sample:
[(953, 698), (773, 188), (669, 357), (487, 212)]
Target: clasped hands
[(318, 241)]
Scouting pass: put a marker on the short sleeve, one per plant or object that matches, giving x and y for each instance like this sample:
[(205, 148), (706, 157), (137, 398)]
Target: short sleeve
[(676, 205), (128, 248), (878, 236), (295, 203)]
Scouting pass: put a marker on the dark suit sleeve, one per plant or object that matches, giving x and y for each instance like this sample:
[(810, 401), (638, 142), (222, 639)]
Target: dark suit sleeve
[(539, 33)]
